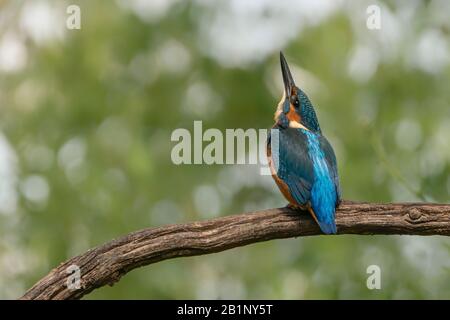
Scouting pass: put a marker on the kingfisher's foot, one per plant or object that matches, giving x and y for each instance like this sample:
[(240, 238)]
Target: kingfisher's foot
[(291, 206), (295, 207)]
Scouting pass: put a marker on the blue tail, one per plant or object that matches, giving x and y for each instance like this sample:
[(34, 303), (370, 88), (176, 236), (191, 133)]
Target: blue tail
[(328, 228), (324, 191), (323, 206)]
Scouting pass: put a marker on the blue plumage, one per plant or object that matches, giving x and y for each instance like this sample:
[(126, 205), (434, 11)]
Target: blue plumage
[(302, 160), (324, 194)]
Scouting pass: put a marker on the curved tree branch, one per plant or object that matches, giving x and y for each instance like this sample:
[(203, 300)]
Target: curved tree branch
[(107, 263)]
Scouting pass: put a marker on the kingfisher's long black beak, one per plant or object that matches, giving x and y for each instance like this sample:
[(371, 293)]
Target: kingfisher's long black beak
[(287, 76)]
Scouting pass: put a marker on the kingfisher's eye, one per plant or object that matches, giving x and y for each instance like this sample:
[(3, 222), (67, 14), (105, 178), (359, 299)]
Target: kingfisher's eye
[(296, 103)]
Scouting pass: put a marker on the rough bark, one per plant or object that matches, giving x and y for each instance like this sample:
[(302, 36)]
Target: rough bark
[(107, 263)]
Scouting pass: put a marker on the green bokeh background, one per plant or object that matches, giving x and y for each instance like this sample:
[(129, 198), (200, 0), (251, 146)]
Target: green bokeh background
[(86, 118)]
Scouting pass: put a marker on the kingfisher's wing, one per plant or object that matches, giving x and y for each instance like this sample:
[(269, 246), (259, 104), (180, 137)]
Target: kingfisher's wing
[(330, 158), (292, 163)]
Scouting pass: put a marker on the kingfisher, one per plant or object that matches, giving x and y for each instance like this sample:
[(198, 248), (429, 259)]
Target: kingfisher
[(302, 161)]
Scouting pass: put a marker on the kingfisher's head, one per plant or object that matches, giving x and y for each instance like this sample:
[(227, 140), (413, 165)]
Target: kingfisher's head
[(295, 110)]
